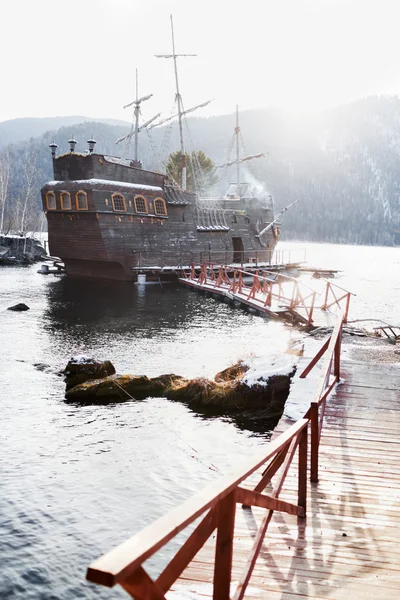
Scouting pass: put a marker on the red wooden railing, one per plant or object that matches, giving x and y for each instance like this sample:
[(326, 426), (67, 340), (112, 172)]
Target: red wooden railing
[(331, 299), (268, 286), (217, 505), (264, 287), (329, 377)]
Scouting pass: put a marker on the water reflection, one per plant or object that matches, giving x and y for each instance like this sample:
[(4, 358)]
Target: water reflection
[(129, 307), (97, 473)]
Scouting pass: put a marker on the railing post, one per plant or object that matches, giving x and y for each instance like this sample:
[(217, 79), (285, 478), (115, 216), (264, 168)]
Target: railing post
[(310, 319), (224, 547), (302, 474), (346, 312), (314, 441), (325, 304), (294, 292), (336, 367)]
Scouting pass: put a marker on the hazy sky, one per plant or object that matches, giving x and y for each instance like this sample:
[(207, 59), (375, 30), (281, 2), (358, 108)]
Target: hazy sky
[(79, 56)]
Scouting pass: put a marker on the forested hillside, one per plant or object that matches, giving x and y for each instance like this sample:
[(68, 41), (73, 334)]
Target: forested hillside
[(17, 130), (343, 164)]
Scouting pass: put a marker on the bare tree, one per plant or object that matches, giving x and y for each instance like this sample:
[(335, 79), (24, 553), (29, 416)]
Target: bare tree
[(5, 163), (29, 189)]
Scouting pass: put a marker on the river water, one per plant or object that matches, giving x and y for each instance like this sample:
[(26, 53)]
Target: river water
[(77, 480)]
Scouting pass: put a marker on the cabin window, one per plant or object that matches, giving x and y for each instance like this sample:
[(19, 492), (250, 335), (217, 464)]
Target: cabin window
[(81, 201), (118, 202), (51, 201), (160, 208), (65, 198), (141, 204)]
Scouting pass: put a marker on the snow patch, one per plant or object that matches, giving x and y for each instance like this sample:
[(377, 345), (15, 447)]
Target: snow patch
[(108, 182), (82, 359), (261, 369)]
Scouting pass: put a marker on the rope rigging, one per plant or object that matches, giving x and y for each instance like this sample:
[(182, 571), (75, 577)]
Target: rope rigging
[(210, 466)]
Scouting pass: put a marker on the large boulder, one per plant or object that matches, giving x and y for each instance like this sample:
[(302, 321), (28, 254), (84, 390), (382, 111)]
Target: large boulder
[(124, 387), (85, 368)]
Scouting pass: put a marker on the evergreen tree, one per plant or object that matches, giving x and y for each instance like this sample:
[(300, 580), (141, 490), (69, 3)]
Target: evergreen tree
[(201, 173)]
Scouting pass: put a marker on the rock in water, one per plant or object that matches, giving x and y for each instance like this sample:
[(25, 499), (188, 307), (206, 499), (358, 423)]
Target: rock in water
[(85, 368), (20, 249), (19, 307)]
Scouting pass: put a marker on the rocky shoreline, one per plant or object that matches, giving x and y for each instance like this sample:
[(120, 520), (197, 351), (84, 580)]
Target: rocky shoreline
[(250, 385), (241, 387), (20, 250)]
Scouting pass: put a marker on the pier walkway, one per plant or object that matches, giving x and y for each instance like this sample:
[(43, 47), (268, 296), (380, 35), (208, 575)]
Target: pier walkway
[(275, 295), (315, 514)]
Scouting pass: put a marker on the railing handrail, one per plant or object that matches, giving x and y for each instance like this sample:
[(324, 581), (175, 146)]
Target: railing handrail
[(288, 278), (340, 288), (329, 356), (331, 352), (117, 564), (275, 280)]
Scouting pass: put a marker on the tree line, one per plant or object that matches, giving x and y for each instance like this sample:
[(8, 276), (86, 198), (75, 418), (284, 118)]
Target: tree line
[(343, 165)]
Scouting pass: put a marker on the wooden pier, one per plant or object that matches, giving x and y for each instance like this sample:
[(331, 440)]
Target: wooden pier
[(316, 514), (276, 295)]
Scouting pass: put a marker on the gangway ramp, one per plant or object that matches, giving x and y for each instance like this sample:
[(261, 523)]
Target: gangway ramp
[(275, 295)]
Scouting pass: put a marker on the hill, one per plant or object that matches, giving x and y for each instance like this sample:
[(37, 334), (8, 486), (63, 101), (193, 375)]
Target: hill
[(342, 164), (18, 130)]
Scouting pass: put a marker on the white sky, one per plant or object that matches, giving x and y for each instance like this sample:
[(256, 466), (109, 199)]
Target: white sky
[(79, 56)]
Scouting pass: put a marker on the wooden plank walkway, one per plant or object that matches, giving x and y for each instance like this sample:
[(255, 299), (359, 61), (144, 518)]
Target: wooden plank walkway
[(348, 545), (276, 296)]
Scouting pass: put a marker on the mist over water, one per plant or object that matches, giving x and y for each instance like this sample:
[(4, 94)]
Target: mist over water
[(77, 480)]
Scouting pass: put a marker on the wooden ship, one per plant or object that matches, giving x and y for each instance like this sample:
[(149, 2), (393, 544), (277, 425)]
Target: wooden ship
[(110, 218)]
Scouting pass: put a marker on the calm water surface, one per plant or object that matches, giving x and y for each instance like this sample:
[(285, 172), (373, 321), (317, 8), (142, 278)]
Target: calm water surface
[(75, 481)]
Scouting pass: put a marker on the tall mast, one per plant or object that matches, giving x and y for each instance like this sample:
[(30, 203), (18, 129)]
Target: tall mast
[(135, 128), (181, 112), (179, 101), (137, 105), (237, 132)]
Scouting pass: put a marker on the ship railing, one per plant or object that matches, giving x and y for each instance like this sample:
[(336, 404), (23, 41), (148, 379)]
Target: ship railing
[(216, 506), (182, 259)]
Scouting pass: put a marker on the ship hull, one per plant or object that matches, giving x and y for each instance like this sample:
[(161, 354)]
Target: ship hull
[(116, 228)]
